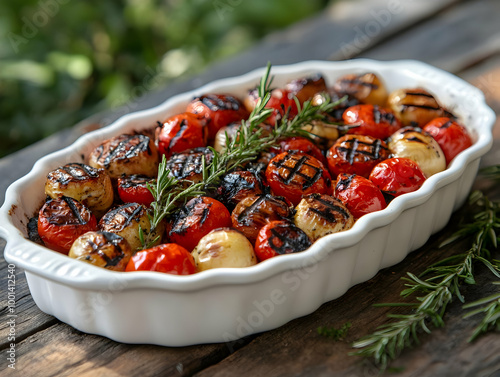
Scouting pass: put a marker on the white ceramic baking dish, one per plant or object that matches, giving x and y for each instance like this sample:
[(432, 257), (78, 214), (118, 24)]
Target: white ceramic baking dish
[(226, 304)]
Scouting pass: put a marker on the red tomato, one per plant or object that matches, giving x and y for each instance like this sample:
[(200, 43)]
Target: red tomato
[(196, 219), (168, 258), (62, 221), (452, 137), (294, 174), (302, 144), (397, 176), (219, 110), (133, 189), (280, 237), (360, 195), (180, 133), (281, 101), (373, 121), (356, 154)]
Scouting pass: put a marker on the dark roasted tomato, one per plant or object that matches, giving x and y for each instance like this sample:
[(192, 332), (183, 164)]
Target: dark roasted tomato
[(359, 194), (180, 133), (62, 221), (219, 110), (415, 107), (451, 136), (133, 189), (306, 87), (366, 87), (168, 258), (293, 174), (197, 218), (397, 176), (189, 165), (371, 121), (356, 154), (280, 237), (237, 185), (102, 249), (255, 211), (301, 144), (281, 101)]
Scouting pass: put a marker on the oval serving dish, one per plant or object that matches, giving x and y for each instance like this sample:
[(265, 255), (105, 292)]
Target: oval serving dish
[(226, 304)]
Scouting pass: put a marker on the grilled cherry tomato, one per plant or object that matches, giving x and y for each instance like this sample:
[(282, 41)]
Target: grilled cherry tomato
[(197, 218), (224, 247), (415, 107), (356, 154), (102, 249), (168, 258), (255, 211), (62, 221), (126, 154), (367, 88), (306, 87), (397, 176), (451, 136), (133, 189), (301, 144), (180, 133), (219, 110), (281, 101), (293, 174), (371, 121), (360, 195), (280, 237), (237, 185)]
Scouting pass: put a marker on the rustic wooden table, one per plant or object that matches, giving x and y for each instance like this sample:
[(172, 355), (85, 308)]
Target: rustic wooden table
[(460, 36)]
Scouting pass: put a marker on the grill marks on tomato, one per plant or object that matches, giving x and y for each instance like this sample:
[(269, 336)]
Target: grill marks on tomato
[(196, 211), (299, 166), (216, 103), (182, 127), (287, 238), (66, 211), (352, 147)]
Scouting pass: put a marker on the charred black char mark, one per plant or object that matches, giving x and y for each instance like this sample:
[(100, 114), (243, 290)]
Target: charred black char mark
[(329, 210), (179, 134), (136, 180), (75, 171), (427, 107), (447, 124), (182, 165), (379, 116), (358, 81), (419, 94), (114, 240), (33, 231), (416, 139), (352, 150), (251, 208), (296, 170), (277, 201), (180, 218), (215, 103), (232, 184), (127, 148), (129, 212), (343, 184), (287, 238), (74, 209)]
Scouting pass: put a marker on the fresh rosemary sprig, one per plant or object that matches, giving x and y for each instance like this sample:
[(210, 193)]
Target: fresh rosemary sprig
[(491, 307), (247, 144), (491, 172), (440, 286)]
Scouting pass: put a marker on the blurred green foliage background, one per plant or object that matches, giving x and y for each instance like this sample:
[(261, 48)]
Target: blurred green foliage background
[(63, 60)]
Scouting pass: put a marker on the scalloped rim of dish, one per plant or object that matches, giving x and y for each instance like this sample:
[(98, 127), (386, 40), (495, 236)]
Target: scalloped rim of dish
[(64, 270)]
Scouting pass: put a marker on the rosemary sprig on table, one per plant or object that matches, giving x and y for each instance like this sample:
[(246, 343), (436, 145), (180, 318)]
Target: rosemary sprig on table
[(248, 143), (491, 308), (441, 285)]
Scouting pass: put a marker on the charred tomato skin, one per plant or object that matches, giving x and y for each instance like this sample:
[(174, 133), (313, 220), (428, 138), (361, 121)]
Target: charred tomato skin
[(359, 194), (196, 219), (372, 120), (280, 237), (396, 176), (301, 144), (451, 136), (294, 174), (219, 110), (133, 189), (62, 221), (168, 258), (356, 154), (180, 133)]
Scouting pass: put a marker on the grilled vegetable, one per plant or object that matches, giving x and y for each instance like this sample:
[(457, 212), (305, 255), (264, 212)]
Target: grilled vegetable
[(370, 120), (239, 184), (255, 211), (419, 146), (301, 144), (319, 215), (125, 220), (134, 189), (356, 154), (126, 154), (61, 221), (415, 107), (102, 249), (367, 88), (188, 165), (222, 136), (90, 186), (224, 248), (281, 102), (306, 87), (280, 237), (167, 258), (197, 218), (293, 174)]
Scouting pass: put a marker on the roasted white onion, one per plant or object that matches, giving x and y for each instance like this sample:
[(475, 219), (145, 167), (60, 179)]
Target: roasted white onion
[(415, 107), (367, 88)]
